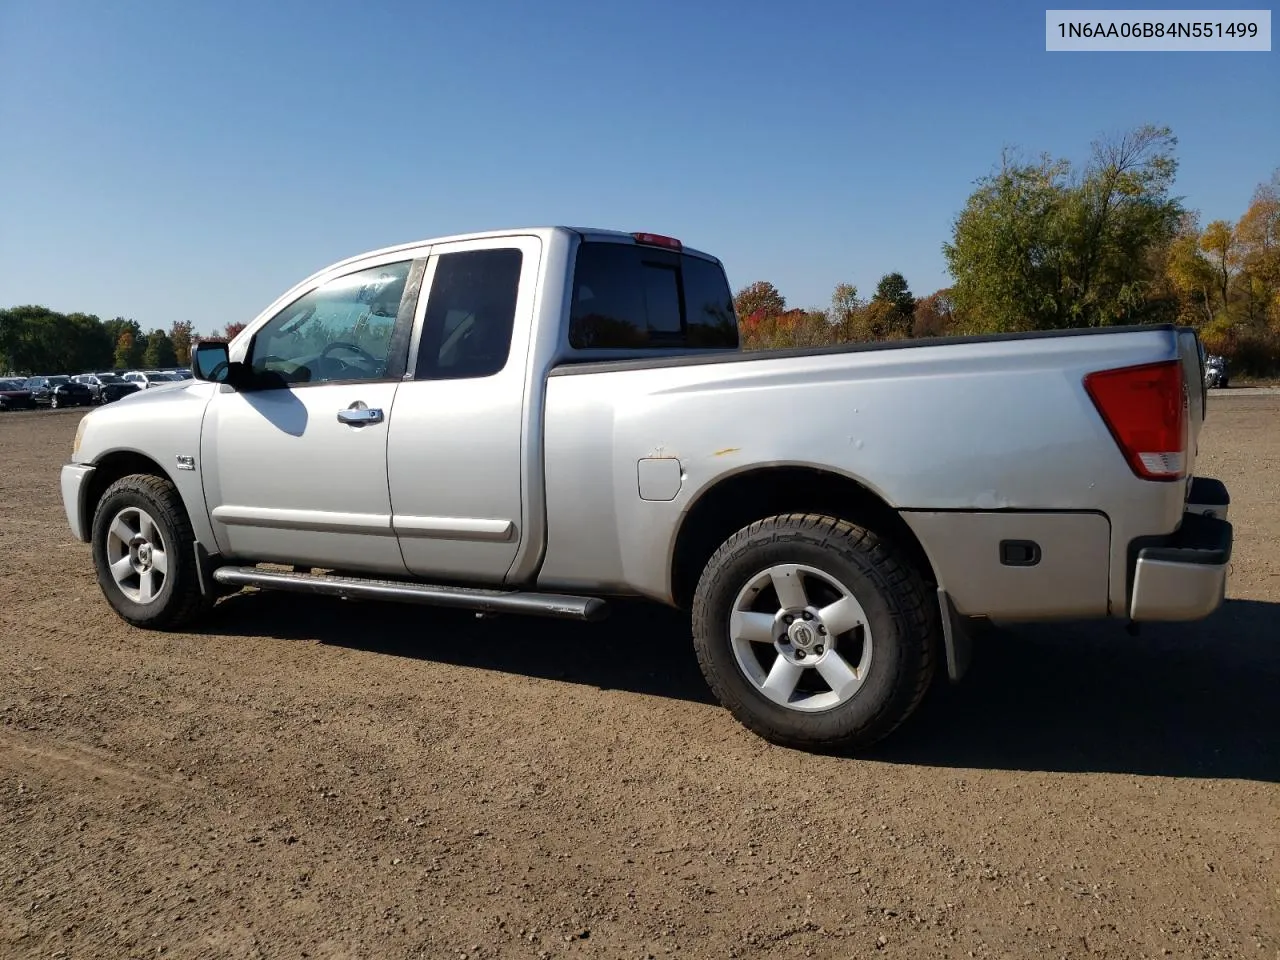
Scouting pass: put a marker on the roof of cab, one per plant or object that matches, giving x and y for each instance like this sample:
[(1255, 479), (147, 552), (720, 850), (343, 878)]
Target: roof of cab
[(587, 233)]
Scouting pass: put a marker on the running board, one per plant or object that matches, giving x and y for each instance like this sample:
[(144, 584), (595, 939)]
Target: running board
[(465, 598)]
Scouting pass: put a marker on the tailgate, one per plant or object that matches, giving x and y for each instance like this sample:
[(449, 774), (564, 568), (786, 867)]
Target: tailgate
[(1191, 353)]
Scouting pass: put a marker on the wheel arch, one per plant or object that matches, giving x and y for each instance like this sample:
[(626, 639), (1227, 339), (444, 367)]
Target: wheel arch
[(111, 466), (737, 499)]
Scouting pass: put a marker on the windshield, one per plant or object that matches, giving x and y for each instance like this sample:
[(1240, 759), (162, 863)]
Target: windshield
[(160, 378), (109, 378), (59, 380), (10, 385)]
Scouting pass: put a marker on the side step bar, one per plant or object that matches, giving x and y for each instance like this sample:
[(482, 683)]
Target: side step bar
[(465, 598)]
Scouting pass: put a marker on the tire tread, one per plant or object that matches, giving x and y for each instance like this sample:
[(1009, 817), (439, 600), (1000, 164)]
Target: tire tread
[(911, 601), (188, 602)]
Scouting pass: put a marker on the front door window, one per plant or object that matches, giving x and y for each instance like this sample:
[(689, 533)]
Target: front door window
[(339, 332)]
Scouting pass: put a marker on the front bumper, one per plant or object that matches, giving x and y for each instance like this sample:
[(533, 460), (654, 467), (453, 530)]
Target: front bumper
[(75, 485), (1184, 578)]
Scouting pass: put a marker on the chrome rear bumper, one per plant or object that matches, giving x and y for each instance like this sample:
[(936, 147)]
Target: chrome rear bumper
[(1184, 578)]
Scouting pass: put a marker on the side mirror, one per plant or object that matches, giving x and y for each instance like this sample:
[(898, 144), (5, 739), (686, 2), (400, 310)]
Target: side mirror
[(211, 361)]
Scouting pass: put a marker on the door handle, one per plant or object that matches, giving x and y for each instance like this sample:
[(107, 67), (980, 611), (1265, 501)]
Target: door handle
[(359, 416)]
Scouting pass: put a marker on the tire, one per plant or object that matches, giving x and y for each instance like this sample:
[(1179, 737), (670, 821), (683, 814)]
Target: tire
[(53, 403), (149, 512), (737, 644)]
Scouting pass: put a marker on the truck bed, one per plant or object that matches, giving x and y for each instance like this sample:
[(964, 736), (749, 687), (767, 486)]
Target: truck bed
[(945, 432)]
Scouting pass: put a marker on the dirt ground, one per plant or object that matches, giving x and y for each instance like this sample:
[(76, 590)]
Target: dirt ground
[(328, 779)]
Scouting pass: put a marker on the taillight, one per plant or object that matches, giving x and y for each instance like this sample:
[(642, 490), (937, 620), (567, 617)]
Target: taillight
[(657, 240), (1145, 408)]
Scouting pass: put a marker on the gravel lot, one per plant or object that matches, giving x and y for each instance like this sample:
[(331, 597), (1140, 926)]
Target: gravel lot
[(329, 779)]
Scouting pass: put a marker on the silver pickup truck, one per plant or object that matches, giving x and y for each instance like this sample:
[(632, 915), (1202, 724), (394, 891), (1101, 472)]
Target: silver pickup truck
[(537, 421)]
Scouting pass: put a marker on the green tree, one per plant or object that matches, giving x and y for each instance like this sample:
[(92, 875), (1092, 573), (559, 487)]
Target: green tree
[(1218, 243), (180, 337), (894, 306), (117, 325), (89, 343), (159, 351), (1190, 274), (1039, 246), (847, 313), (35, 339), (126, 350)]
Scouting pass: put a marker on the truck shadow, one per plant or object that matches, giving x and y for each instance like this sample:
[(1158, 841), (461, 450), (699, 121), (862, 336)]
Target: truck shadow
[(1179, 700)]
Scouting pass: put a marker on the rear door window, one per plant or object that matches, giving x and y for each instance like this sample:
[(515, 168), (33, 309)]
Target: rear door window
[(631, 296), (471, 311)]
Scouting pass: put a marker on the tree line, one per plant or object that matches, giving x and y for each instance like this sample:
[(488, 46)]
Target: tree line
[(36, 340), (1040, 244)]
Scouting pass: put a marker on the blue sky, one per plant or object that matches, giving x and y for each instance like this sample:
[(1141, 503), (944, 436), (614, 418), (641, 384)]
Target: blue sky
[(193, 160)]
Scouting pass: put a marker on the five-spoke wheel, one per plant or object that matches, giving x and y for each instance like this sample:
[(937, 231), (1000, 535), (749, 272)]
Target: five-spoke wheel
[(815, 632), (801, 637), (136, 554), (144, 553)]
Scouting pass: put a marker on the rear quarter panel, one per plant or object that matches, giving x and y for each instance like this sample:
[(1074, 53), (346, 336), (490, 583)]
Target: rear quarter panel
[(982, 426)]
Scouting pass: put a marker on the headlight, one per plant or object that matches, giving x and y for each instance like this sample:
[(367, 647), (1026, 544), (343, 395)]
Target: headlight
[(75, 446)]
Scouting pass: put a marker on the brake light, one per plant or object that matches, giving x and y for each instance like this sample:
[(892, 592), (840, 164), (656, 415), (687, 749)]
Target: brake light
[(657, 240), (1145, 408)]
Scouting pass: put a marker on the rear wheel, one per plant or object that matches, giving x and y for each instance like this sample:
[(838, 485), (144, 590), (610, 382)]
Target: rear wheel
[(814, 632), (144, 553)]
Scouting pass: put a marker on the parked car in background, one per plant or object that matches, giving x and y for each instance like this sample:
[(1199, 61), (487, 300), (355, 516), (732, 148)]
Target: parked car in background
[(1215, 371), (106, 387), (59, 391), (146, 379), (15, 396)]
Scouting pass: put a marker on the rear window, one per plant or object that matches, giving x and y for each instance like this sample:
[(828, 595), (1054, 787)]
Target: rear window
[(629, 296)]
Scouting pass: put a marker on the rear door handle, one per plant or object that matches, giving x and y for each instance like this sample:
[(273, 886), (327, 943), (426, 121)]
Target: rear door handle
[(359, 416)]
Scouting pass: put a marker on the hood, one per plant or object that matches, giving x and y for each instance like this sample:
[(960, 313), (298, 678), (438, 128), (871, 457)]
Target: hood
[(161, 392)]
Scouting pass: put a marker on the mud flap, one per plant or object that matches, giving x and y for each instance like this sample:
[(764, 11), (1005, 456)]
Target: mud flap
[(956, 637), (206, 563)]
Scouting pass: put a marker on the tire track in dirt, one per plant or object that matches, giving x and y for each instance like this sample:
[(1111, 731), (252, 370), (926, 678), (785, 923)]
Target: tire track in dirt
[(66, 763)]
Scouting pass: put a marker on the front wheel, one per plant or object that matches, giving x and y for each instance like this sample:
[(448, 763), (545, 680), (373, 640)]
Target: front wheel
[(815, 633), (144, 553)]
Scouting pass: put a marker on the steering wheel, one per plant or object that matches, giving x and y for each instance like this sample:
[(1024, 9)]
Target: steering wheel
[(344, 345)]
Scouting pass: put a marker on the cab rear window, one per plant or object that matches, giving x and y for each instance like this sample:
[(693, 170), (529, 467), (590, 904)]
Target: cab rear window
[(631, 296)]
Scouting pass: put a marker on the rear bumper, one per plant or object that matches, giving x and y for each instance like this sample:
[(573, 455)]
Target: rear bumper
[(75, 484), (1208, 496), (1184, 578)]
